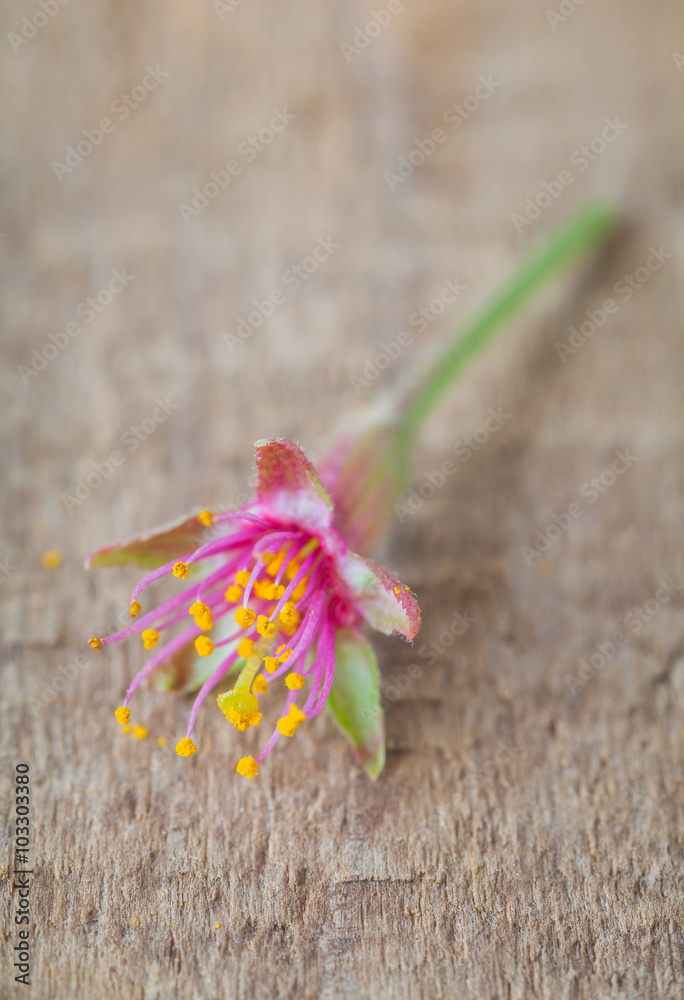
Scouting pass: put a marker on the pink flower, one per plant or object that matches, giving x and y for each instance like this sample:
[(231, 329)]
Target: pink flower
[(279, 596)]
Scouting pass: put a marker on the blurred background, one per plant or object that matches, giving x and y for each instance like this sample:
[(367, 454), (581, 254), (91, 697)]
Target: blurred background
[(213, 218)]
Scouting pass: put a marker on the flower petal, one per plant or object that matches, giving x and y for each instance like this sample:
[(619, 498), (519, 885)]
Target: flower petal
[(354, 700), (289, 486), (366, 473), (386, 604), (153, 548)]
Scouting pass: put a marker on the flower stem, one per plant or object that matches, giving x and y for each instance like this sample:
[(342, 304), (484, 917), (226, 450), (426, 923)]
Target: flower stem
[(573, 239)]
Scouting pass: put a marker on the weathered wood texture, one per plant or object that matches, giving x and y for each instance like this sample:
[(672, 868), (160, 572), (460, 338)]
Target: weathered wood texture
[(525, 838)]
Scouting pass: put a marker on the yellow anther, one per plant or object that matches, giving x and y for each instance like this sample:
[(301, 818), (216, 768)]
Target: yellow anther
[(246, 648), (245, 617), (265, 627), (205, 517), (240, 707), (260, 685), (396, 590), (202, 615), (285, 656), (127, 730), (242, 577), (96, 644), (233, 594), (290, 617), (185, 747), (161, 741), (248, 768), (288, 610), (300, 589), (270, 663), (266, 589), (140, 732), (135, 609), (51, 559), (291, 722), (123, 715), (278, 591), (293, 568), (181, 571), (294, 681), (204, 645), (150, 638), (275, 563)]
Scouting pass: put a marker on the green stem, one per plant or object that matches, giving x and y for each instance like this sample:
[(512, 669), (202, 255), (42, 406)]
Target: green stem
[(571, 240)]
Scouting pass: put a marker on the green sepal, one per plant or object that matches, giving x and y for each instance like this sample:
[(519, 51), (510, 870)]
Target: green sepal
[(153, 548), (354, 701)]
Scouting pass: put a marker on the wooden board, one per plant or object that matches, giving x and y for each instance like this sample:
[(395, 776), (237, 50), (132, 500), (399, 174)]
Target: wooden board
[(525, 838)]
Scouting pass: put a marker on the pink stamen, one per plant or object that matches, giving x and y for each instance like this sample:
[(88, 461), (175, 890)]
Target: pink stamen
[(156, 574), (274, 539), (306, 635), (223, 544), (152, 616), (290, 700), (162, 654), (210, 683), (222, 574), (301, 572), (328, 655), (258, 566)]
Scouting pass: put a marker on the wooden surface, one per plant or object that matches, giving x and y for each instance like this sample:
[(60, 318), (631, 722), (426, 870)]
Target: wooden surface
[(526, 836)]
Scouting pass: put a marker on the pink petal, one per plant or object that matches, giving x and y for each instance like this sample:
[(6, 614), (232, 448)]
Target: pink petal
[(289, 487), (366, 475), (155, 547), (383, 601)]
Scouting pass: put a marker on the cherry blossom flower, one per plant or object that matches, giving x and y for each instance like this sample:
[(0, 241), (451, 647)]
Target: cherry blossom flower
[(276, 594)]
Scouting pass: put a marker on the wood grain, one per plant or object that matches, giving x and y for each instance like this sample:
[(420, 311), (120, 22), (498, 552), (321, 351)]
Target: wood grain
[(526, 836)]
